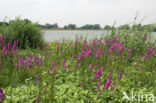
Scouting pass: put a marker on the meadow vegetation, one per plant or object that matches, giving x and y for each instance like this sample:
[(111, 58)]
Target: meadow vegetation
[(76, 71)]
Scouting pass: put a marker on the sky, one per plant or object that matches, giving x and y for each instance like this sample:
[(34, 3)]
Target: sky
[(80, 12)]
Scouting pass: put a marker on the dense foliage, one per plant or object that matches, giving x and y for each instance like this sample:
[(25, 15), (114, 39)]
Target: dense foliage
[(101, 70), (26, 32)]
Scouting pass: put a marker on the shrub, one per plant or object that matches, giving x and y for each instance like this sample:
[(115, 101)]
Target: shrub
[(26, 32)]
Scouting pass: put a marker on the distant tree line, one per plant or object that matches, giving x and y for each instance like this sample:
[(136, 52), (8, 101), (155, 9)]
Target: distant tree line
[(86, 26)]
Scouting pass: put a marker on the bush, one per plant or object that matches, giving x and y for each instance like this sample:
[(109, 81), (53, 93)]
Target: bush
[(26, 32)]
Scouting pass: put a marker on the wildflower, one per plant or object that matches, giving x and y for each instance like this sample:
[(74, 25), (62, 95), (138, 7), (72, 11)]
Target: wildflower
[(74, 55), (34, 58), (93, 42), (128, 52), (80, 55), (2, 95), (2, 39), (144, 38), (5, 51), (90, 66), (65, 66), (98, 73), (106, 42), (53, 71), (113, 47), (120, 48), (119, 76), (108, 82), (98, 85), (38, 97), (88, 53), (52, 64), (99, 41), (63, 61), (37, 78)]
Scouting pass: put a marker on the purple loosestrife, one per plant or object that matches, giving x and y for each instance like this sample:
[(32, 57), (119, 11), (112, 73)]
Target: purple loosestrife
[(98, 85), (2, 95), (119, 76), (34, 58), (93, 43), (128, 52), (98, 73), (115, 38), (90, 66), (106, 42), (108, 82), (65, 66), (88, 53), (144, 38), (52, 64), (80, 55), (63, 61), (37, 77), (5, 51), (54, 69), (74, 55), (2, 38), (120, 48), (99, 41), (113, 47)]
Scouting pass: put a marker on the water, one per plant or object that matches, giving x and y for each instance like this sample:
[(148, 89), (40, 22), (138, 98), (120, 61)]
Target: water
[(52, 35)]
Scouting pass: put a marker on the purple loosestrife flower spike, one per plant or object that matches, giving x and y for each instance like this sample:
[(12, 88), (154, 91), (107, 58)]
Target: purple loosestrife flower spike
[(82, 83), (98, 85), (65, 66), (74, 55), (88, 53), (53, 71), (63, 61), (2, 38), (119, 76), (52, 64), (98, 73), (2, 95), (108, 82), (5, 51), (37, 78), (90, 66)]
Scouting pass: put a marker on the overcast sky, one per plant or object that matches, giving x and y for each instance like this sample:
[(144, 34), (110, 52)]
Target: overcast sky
[(79, 12)]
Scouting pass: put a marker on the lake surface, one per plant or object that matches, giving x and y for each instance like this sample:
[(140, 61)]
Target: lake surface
[(52, 35)]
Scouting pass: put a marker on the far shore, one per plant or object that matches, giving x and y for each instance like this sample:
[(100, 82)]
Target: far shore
[(74, 29)]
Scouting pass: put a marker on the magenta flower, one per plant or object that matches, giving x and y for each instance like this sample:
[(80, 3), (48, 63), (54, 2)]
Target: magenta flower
[(80, 55), (65, 66), (34, 58), (37, 78), (2, 39), (90, 66), (5, 51), (108, 82), (98, 73), (98, 85), (88, 53), (52, 64), (74, 55), (128, 52), (120, 48), (63, 61), (119, 76), (99, 41), (53, 71), (93, 42), (106, 42), (2, 95), (113, 47)]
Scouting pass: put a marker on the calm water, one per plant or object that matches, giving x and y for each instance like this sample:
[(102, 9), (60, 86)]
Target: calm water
[(52, 35)]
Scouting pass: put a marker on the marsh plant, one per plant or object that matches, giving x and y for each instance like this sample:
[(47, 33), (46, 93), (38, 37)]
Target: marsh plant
[(79, 70)]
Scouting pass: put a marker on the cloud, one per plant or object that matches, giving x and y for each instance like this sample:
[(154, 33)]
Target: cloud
[(79, 11)]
